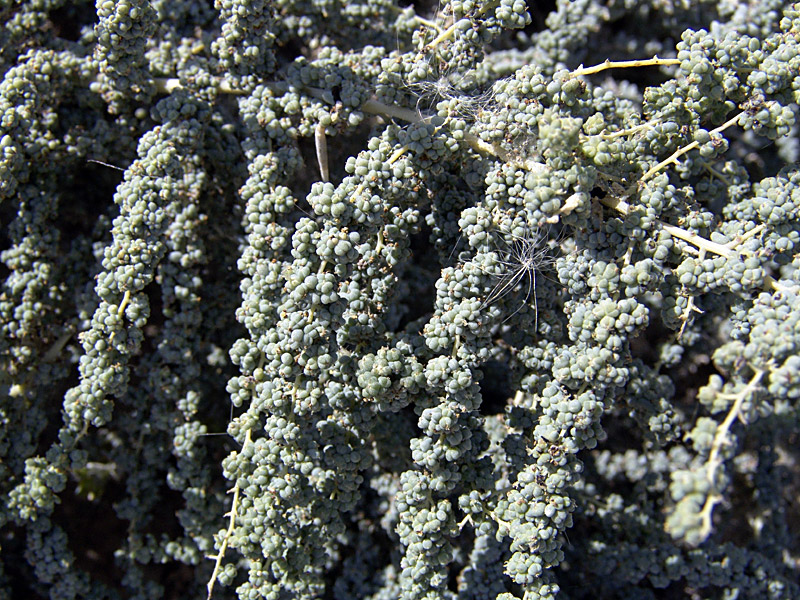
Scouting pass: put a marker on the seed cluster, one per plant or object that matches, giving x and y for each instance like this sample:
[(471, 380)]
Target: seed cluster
[(381, 304)]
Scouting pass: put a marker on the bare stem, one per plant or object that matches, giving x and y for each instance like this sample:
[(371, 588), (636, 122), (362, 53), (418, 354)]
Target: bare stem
[(696, 240), (678, 153), (321, 145), (395, 112), (720, 439), (231, 524), (624, 64), (126, 298)]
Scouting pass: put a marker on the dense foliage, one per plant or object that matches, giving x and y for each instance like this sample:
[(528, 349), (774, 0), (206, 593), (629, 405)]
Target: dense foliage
[(353, 300)]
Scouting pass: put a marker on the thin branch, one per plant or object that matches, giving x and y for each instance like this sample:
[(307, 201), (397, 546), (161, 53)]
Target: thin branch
[(698, 241), (678, 153), (374, 107), (321, 145), (231, 524), (720, 439), (624, 64)]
